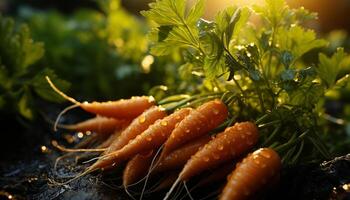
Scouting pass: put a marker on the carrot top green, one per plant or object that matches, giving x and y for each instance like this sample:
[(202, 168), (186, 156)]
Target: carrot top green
[(259, 67)]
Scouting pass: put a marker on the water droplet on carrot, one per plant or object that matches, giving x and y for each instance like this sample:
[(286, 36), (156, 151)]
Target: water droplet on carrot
[(151, 99), (177, 117), (265, 154), (239, 128), (220, 147), (149, 139), (216, 112), (187, 131), (216, 156), (142, 119), (249, 133), (164, 123), (243, 136), (206, 159)]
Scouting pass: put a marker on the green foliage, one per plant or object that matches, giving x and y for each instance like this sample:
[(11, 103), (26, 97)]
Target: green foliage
[(99, 52), (329, 68), (260, 65), (18, 83)]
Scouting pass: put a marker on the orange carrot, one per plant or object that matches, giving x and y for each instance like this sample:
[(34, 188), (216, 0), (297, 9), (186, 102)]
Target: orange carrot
[(137, 126), (199, 122), (137, 168), (252, 174), (230, 144), (150, 139), (178, 158), (121, 109), (101, 125)]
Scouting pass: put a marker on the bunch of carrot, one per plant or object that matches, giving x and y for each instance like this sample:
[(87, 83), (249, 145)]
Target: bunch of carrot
[(151, 139)]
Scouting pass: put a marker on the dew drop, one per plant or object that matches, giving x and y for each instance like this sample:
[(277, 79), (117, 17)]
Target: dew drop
[(243, 136), (265, 154), (257, 162), (220, 147), (249, 133), (206, 159), (217, 102), (164, 123), (187, 131), (177, 117), (149, 139), (263, 165), (216, 156), (142, 119), (216, 112), (239, 128)]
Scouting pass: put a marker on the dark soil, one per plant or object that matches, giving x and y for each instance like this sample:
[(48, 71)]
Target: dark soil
[(26, 170)]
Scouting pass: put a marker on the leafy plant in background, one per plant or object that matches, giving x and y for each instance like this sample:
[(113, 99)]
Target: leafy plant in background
[(259, 64), (104, 54), (20, 80)]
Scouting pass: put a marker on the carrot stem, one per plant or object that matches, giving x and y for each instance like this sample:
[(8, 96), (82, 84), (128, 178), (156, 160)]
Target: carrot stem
[(173, 98)]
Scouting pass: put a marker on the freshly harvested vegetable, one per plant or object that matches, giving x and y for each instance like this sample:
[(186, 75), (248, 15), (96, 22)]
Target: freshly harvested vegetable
[(199, 122), (120, 109), (226, 146), (252, 174), (150, 139), (100, 125), (137, 168), (137, 126), (178, 158)]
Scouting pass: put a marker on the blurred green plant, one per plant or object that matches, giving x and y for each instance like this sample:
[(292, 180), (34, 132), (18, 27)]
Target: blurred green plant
[(20, 79), (104, 54)]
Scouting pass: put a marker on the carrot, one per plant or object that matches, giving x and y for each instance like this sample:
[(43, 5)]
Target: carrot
[(199, 122), (150, 139), (252, 174), (137, 168), (230, 144), (100, 125), (121, 109), (137, 126), (178, 158)]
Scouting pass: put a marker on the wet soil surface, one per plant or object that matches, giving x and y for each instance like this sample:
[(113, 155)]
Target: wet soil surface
[(26, 172)]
